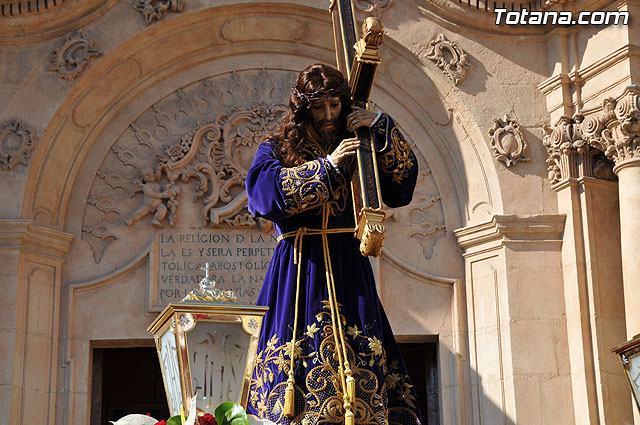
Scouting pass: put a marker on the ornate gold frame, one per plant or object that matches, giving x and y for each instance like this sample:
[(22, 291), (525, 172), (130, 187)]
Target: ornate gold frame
[(182, 318), (626, 352)]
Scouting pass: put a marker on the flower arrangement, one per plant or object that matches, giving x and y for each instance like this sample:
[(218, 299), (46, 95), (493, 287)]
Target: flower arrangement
[(227, 413)]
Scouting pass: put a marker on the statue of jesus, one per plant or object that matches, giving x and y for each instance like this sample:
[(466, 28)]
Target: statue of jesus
[(326, 353)]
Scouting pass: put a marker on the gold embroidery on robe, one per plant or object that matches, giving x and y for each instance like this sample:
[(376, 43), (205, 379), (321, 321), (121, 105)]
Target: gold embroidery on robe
[(396, 159), (303, 186), (311, 184), (323, 402)]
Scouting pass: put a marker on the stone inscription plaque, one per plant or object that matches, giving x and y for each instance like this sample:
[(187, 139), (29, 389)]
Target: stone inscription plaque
[(238, 260)]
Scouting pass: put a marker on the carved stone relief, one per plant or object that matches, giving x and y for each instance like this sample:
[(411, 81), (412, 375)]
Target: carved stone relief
[(423, 215), (184, 161), (72, 55), (570, 156), (507, 141), (449, 57), (375, 7), (16, 144), (152, 10)]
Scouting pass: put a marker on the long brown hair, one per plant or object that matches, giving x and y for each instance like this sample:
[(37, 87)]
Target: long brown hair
[(315, 81)]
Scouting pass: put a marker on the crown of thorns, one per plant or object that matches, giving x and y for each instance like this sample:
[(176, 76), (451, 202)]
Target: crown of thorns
[(342, 89)]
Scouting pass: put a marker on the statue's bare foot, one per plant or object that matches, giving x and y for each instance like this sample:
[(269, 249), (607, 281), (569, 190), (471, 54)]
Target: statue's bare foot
[(156, 223)]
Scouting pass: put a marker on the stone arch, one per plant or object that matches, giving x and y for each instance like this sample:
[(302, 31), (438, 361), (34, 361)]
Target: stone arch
[(187, 41)]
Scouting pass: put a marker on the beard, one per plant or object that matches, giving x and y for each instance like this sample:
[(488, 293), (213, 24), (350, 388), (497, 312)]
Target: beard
[(328, 130)]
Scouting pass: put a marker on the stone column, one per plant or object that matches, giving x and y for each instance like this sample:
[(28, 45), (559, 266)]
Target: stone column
[(629, 191), (616, 130), (517, 333), (592, 273), (628, 171), (622, 137), (30, 287)]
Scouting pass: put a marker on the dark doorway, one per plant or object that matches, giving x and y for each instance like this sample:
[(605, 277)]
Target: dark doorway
[(129, 380), (125, 381), (422, 367)]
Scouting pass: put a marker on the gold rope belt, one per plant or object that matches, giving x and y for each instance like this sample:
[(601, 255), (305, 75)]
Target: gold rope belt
[(346, 378)]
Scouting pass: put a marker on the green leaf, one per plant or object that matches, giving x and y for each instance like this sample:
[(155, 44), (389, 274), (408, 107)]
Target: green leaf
[(230, 413), (221, 410), (240, 421), (174, 420)]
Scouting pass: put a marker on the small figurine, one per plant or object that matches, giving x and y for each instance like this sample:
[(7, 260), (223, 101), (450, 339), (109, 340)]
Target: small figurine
[(153, 196)]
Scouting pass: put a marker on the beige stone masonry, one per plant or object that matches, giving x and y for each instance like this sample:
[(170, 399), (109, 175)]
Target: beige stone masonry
[(509, 228), (600, 247), (594, 300), (515, 306), (615, 130), (29, 332), (590, 63)]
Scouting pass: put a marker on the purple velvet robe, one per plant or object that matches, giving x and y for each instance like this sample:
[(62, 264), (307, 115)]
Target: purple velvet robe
[(292, 198)]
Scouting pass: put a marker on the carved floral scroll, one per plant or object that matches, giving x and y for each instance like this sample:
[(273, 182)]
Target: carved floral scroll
[(72, 55), (16, 144), (152, 10), (424, 215), (508, 141), (449, 57)]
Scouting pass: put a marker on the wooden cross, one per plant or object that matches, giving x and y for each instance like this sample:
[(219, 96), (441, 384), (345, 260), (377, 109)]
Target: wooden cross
[(359, 60)]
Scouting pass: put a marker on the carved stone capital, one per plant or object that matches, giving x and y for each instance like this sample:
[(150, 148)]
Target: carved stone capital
[(569, 155), (621, 137), (449, 57), (614, 131), (16, 144), (507, 141)]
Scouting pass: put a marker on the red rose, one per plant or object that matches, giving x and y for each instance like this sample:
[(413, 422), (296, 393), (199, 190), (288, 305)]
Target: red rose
[(207, 419), (162, 422)]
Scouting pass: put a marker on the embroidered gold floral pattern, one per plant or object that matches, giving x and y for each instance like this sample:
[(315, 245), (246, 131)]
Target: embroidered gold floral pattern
[(399, 386), (312, 330), (397, 159), (304, 186), (311, 184), (322, 402)]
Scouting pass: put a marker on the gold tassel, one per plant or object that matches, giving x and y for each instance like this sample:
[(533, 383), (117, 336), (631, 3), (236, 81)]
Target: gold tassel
[(351, 388), (289, 399), (348, 418)]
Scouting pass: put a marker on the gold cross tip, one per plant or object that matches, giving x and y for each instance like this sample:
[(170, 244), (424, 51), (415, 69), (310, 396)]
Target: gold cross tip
[(207, 282)]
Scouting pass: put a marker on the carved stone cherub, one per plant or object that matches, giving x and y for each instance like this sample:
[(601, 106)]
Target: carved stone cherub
[(153, 196)]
